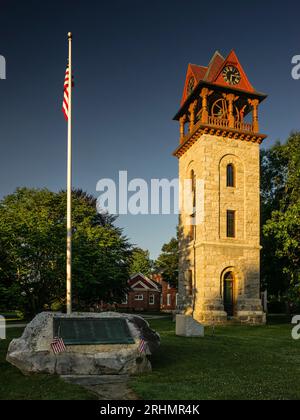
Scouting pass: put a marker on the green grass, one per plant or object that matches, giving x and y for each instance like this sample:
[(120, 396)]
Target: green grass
[(238, 362), (235, 363), (15, 386)]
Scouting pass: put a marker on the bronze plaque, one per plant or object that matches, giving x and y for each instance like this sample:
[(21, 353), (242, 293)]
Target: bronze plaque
[(92, 330)]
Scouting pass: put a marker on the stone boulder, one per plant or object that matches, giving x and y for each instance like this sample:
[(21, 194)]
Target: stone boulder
[(32, 352)]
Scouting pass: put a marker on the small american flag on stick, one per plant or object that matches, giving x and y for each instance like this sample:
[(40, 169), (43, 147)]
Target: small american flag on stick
[(142, 346), (58, 345)]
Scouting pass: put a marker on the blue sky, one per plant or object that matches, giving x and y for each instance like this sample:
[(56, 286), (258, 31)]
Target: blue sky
[(130, 60)]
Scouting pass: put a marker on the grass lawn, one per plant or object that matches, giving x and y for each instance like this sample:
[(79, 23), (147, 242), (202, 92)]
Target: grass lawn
[(234, 363), (238, 362), (15, 386)]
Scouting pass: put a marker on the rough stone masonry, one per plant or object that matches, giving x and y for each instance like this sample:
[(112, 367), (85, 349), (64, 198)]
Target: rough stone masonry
[(32, 352)]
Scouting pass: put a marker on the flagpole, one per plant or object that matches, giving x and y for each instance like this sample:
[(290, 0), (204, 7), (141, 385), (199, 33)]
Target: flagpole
[(69, 187)]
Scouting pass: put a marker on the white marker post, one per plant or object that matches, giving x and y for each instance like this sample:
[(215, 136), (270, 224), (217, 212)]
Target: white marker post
[(69, 187)]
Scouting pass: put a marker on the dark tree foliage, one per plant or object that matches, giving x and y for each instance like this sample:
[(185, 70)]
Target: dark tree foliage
[(33, 251), (167, 262), (280, 218), (141, 262)]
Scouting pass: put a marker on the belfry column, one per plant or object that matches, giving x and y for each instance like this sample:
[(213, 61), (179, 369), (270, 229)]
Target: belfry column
[(230, 98), (182, 121), (192, 109), (254, 103), (205, 93)]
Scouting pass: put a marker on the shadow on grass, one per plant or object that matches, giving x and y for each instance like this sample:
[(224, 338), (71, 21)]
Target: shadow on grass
[(238, 362), (15, 386)]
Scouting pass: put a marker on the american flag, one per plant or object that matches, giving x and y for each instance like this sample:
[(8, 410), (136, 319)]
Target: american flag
[(65, 107), (58, 345), (142, 346)]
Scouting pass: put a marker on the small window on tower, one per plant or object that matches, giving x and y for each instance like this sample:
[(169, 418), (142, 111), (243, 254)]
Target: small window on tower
[(230, 176), (230, 224)]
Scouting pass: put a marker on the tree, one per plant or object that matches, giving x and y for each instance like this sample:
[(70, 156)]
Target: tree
[(33, 250), (141, 262), (167, 262), (272, 187), (274, 166), (281, 218)]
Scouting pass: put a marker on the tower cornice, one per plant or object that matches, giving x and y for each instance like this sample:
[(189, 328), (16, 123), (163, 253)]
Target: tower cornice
[(215, 130)]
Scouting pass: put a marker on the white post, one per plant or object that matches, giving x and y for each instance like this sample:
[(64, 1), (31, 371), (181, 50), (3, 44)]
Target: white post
[(69, 187)]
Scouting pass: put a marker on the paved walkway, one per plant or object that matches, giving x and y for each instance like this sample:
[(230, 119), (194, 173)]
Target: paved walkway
[(15, 325), (149, 316), (106, 387)]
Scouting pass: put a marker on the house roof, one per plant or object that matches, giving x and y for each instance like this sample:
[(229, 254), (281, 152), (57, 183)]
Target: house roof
[(146, 283)]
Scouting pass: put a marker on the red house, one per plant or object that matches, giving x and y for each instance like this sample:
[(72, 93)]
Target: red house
[(144, 294), (169, 295)]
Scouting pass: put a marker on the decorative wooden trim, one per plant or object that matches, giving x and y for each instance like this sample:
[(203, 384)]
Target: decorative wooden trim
[(192, 109), (228, 132), (182, 122)]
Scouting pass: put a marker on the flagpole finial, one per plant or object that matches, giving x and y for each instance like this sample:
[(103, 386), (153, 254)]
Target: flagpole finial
[(70, 35)]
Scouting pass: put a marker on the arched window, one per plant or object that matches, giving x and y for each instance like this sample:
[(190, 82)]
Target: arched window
[(193, 178), (193, 214), (228, 291), (230, 181)]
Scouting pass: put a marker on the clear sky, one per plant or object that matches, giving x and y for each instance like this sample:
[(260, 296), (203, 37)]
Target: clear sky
[(130, 59)]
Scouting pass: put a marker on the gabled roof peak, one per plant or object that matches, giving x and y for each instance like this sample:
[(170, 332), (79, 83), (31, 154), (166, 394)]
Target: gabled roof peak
[(216, 54), (212, 74)]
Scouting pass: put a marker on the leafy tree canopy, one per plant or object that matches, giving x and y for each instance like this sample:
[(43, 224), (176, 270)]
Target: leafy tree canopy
[(140, 262), (281, 217), (33, 251), (167, 262)]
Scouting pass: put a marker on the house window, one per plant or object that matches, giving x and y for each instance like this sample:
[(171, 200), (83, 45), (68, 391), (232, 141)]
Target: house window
[(139, 297), (168, 300), (176, 299), (230, 176), (151, 300), (125, 301), (230, 224)]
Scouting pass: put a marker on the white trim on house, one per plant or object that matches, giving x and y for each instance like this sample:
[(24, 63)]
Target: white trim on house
[(146, 279), (143, 286)]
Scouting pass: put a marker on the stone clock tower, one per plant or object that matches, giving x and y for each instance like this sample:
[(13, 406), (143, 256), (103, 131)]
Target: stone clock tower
[(219, 230)]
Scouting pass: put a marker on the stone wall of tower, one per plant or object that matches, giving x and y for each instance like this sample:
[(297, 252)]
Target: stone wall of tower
[(210, 254)]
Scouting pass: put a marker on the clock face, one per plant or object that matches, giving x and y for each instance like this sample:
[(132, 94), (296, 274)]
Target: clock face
[(191, 85), (231, 75)]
